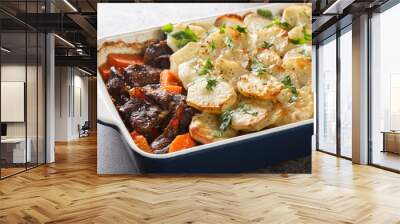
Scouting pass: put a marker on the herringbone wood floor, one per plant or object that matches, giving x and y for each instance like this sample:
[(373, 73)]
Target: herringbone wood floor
[(70, 191)]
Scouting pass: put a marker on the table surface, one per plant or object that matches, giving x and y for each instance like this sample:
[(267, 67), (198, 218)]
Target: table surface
[(116, 18)]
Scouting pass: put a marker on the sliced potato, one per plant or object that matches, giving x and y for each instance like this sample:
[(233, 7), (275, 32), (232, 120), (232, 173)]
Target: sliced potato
[(188, 72), (250, 116), (276, 36), (237, 54), (213, 100), (254, 22), (229, 20), (204, 128), (298, 15), (259, 86), (229, 70), (296, 33), (184, 54), (269, 57), (298, 61), (301, 109)]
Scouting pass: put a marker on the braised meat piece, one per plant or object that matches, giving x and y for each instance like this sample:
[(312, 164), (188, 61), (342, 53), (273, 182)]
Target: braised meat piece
[(146, 119), (178, 124), (138, 75), (157, 95), (116, 84), (157, 55)]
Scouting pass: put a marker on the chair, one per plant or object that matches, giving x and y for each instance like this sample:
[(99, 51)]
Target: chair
[(84, 130)]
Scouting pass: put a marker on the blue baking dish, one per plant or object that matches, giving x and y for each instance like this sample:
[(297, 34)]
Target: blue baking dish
[(245, 153)]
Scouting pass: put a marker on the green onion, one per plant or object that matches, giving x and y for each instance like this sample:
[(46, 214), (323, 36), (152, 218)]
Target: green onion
[(167, 28), (265, 13)]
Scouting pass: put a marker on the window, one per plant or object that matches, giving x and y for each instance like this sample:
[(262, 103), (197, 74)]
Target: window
[(385, 89), (346, 92), (327, 96)]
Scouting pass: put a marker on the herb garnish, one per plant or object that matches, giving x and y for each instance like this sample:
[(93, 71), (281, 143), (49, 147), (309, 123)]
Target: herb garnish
[(258, 68), (226, 119), (243, 108), (206, 69), (212, 45), (283, 25), (306, 37), (266, 45), (211, 84), (228, 42), (222, 28), (184, 36), (265, 13), (168, 28), (241, 29), (287, 82)]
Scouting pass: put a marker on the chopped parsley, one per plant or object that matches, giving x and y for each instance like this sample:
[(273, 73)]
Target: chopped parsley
[(277, 22), (287, 83), (226, 119), (167, 28), (228, 42), (266, 45), (212, 45), (211, 84), (265, 13), (222, 29), (241, 29), (258, 68), (207, 68), (243, 108), (184, 36), (306, 37)]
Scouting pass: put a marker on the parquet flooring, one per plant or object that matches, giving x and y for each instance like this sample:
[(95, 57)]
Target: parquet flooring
[(70, 191)]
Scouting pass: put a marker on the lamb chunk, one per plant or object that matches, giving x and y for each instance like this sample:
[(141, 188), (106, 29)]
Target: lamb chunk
[(140, 75), (157, 95), (116, 83), (128, 107), (157, 55), (146, 120)]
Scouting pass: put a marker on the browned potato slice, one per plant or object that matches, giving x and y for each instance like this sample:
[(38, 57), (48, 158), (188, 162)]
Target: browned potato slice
[(259, 86), (229, 20), (204, 128), (211, 96)]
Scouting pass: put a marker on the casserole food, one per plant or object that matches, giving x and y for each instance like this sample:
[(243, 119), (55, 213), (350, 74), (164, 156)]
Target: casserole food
[(209, 81)]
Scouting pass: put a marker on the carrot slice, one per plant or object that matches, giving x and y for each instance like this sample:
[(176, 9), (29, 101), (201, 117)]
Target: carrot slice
[(168, 78), (123, 60), (173, 89), (105, 72), (141, 141), (181, 142), (137, 93)]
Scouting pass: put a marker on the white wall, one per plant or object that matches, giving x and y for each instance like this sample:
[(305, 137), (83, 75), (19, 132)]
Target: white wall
[(70, 84)]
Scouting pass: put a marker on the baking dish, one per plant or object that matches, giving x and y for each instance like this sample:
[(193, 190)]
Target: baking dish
[(244, 153)]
